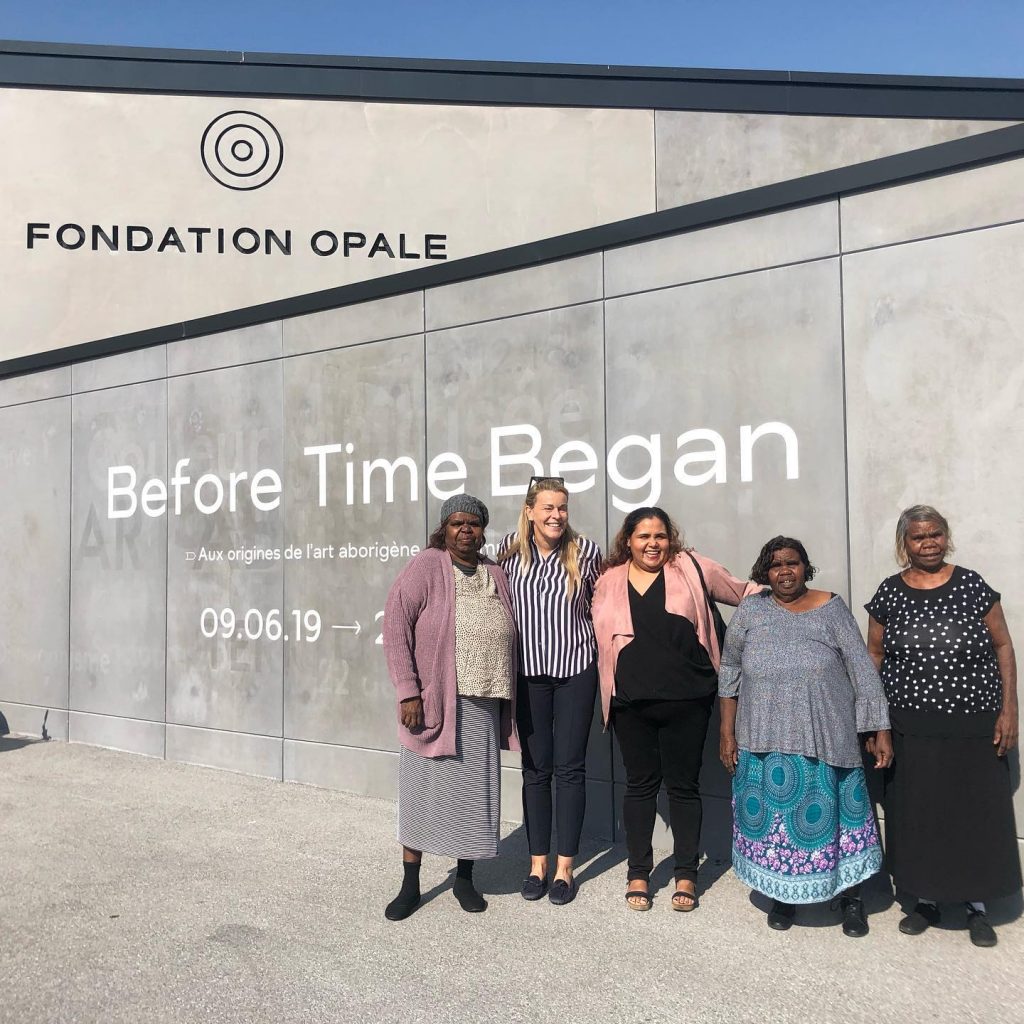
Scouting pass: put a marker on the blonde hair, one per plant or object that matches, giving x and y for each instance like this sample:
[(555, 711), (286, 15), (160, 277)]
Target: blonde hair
[(919, 514), (568, 546)]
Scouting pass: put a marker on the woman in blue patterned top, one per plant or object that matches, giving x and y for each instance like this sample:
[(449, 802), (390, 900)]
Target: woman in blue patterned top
[(797, 686), (938, 634), (551, 572)]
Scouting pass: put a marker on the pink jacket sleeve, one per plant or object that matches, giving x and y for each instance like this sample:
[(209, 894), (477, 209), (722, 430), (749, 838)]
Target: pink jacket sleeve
[(724, 587), (401, 610)]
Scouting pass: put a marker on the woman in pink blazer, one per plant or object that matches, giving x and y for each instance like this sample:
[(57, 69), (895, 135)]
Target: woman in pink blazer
[(658, 656)]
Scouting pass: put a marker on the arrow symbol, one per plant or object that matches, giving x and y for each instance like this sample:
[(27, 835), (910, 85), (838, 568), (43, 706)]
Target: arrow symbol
[(356, 627), (190, 556)]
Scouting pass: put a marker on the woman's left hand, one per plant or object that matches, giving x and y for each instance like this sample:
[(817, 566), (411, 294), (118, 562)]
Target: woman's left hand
[(1005, 737), (728, 751), (881, 748)]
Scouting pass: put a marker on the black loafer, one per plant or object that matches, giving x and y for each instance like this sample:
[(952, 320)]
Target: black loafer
[(534, 887), (780, 917), (562, 892), (920, 919), (981, 932), (855, 922)]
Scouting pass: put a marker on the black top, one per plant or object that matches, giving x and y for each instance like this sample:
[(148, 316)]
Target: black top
[(938, 653), (664, 660)]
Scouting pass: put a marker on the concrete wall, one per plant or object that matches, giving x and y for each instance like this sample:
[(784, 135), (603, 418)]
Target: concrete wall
[(483, 176), (752, 378)]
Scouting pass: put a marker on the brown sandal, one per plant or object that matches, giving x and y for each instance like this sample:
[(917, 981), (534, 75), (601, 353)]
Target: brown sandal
[(682, 894), (638, 894)]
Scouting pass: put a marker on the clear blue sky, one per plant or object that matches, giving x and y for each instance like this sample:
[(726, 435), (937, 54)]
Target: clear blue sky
[(945, 37)]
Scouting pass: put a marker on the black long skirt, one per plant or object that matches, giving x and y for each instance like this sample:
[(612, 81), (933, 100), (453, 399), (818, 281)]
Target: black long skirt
[(949, 827)]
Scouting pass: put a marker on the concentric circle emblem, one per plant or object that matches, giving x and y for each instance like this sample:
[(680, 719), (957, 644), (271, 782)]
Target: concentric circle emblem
[(242, 150)]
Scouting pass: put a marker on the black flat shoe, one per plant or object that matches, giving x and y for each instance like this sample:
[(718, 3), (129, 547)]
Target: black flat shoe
[(402, 906), (855, 921), (780, 917), (562, 892), (920, 919), (469, 899), (534, 887), (981, 932)]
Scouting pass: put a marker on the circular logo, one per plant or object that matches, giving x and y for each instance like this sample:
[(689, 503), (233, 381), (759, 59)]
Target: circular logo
[(242, 150)]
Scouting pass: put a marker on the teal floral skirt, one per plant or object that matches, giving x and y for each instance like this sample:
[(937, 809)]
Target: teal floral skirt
[(803, 831)]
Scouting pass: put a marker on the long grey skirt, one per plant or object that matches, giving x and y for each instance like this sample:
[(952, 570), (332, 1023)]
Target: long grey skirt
[(451, 806)]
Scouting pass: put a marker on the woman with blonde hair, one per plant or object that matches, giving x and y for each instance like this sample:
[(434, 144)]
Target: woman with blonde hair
[(551, 571)]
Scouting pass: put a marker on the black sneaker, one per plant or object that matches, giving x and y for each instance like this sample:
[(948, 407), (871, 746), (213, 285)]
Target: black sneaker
[(981, 932), (920, 919), (780, 917), (855, 921)]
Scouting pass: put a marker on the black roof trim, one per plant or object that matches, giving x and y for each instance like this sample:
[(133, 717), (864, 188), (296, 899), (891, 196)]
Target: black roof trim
[(943, 158), (237, 73)]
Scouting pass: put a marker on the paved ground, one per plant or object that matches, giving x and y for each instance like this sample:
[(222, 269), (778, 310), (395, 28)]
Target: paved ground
[(141, 891)]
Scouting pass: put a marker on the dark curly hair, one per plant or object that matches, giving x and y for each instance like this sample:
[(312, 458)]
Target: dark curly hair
[(619, 554), (759, 570)]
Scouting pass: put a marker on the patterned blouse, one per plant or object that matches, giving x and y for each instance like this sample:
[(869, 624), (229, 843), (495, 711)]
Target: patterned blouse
[(485, 637), (938, 653)]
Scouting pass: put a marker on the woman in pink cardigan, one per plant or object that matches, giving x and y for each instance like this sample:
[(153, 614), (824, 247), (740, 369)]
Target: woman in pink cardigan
[(450, 642), (657, 657)]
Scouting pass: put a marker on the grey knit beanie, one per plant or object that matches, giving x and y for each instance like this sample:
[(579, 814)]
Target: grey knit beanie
[(464, 503)]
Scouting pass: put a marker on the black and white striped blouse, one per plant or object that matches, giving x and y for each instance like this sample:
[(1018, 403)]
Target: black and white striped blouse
[(556, 634)]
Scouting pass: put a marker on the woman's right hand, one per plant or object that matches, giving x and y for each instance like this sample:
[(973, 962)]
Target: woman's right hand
[(728, 751), (410, 713)]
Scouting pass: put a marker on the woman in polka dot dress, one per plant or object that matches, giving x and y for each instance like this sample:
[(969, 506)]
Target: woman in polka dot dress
[(938, 635)]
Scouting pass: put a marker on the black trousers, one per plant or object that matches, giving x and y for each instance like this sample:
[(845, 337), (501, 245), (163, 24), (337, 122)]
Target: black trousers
[(554, 716), (662, 740)]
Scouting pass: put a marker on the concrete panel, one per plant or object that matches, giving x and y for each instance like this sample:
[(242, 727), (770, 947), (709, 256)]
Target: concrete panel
[(36, 387), (935, 206), (807, 233), (460, 178), (32, 720), (229, 348), (543, 371), (935, 385), (117, 733), (227, 421), (235, 751), (35, 531), (702, 154), (369, 398), (353, 769), (731, 358), (511, 795), (124, 368), (119, 566), (565, 283), (393, 317)]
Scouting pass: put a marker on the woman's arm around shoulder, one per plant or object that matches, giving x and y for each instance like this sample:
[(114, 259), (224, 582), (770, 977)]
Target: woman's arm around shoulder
[(589, 563), (722, 585)]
